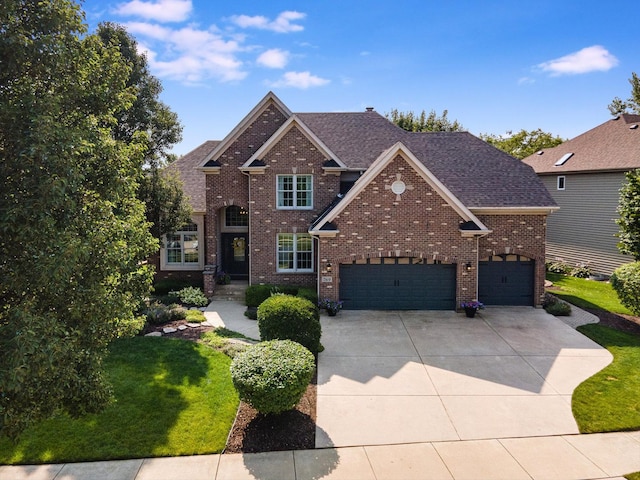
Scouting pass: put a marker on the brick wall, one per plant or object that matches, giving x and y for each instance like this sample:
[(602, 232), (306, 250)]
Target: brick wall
[(293, 154), (230, 186)]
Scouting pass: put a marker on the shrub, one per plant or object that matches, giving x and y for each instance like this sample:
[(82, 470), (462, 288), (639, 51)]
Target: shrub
[(158, 313), (559, 309), (558, 267), (272, 376), (164, 286), (308, 293), (191, 296), (256, 294), (195, 316), (581, 270), (285, 317), (554, 306), (625, 280)]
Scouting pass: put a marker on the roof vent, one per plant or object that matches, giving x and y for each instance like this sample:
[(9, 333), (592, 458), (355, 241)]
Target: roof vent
[(634, 126), (539, 152), (369, 109), (563, 159)]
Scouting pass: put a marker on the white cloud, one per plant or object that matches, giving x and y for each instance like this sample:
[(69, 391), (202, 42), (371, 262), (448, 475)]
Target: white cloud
[(187, 54), (526, 81), (589, 59), (160, 10), (282, 24), (273, 58), (302, 80)]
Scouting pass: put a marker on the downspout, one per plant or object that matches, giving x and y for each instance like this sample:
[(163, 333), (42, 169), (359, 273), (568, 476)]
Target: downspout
[(249, 213)]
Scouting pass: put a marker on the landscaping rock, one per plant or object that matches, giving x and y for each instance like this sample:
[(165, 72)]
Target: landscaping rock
[(169, 330), (154, 334), (193, 324), (182, 327)]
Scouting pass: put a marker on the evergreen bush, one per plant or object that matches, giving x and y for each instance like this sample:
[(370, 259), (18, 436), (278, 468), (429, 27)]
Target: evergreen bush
[(285, 317), (272, 376), (625, 280)]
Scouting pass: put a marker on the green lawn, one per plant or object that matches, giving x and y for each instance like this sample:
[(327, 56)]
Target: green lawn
[(586, 293), (172, 397), (608, 401)]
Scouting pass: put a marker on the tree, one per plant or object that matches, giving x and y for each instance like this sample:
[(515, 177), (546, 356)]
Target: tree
[(167, 207), (72, 232), (523, 143), (632, 104), (424, 123), (629, 211)]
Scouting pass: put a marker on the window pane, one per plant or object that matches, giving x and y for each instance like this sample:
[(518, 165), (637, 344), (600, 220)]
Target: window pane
[(285, 251), (190, 248), (285, 199), (235, 216)]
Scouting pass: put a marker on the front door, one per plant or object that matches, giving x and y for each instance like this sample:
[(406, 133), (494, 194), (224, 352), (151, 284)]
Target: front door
[(235, 257)]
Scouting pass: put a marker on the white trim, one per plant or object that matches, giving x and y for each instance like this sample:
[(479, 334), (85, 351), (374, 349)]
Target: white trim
[(166, 266), (295, 252), (378, 165), (293, 121), (244, 123), (513, 210), (294, 191)]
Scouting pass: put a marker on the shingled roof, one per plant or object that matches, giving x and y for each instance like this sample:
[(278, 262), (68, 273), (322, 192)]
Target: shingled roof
[(474, 171), (193, 180), (611, 146)]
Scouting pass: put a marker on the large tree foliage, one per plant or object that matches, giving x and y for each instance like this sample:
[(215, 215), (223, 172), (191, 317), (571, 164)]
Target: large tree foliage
[(424, 123), (72, 232), (523, 143), (629, 211), (167, 207), (632, 104)]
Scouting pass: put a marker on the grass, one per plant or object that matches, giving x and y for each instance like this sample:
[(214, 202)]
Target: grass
[(172, 397), (609, 401), (585, 293)]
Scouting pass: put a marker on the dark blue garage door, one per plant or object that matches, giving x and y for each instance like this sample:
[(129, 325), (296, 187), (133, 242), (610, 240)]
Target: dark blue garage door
[(398, 284), (506, 280)]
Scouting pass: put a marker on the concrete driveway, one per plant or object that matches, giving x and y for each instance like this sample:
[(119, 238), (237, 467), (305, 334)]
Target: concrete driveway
[(429, 376)]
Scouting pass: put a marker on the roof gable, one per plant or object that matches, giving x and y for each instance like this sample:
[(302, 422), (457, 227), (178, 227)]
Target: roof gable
[(377, 167), (611, 146), (295, 122), (269, 99)]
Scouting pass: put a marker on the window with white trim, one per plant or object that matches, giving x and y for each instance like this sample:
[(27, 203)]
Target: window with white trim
[(295, 252), (295, 192), (182, 248), (561, 182)]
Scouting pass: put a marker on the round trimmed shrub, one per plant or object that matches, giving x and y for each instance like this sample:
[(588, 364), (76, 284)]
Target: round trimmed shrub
[(285, 317), (272, 376), (625, 280), (559, 309)]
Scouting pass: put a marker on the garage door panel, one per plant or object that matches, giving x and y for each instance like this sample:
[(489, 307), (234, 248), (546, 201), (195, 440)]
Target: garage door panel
[(504, 282), (398, 286)]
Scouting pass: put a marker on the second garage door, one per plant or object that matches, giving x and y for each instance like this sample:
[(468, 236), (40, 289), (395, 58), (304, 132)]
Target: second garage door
[(506, 280), (398, 284)]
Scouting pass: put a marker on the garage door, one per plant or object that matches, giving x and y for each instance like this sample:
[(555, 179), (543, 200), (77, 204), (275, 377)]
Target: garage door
[(398, 284), (506, 280)]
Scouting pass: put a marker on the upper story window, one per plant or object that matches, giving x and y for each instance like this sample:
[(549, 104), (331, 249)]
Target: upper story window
[(295, 252), (182, 247), (561, 182), (295, 192)]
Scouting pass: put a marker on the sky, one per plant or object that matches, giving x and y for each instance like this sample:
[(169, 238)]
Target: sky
[(494, 65)]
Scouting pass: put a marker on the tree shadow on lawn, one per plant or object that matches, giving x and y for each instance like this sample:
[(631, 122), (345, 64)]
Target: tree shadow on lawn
[(153, 383)]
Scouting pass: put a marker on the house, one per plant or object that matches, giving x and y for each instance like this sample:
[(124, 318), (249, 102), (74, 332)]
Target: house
[(182, 255), (584, 176), (365, 212)]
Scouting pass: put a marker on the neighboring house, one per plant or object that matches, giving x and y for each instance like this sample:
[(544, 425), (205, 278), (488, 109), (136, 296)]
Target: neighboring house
[(363, 211), (182, 254), (584, 176)]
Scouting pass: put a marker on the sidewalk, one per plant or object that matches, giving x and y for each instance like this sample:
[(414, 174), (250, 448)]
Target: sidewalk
[(580, 457)]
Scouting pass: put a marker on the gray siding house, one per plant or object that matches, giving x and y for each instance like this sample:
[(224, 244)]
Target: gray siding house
[(584, 176)]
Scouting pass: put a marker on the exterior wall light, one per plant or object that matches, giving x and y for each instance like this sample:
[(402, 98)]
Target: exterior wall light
[(329, 267), (468, 266)]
